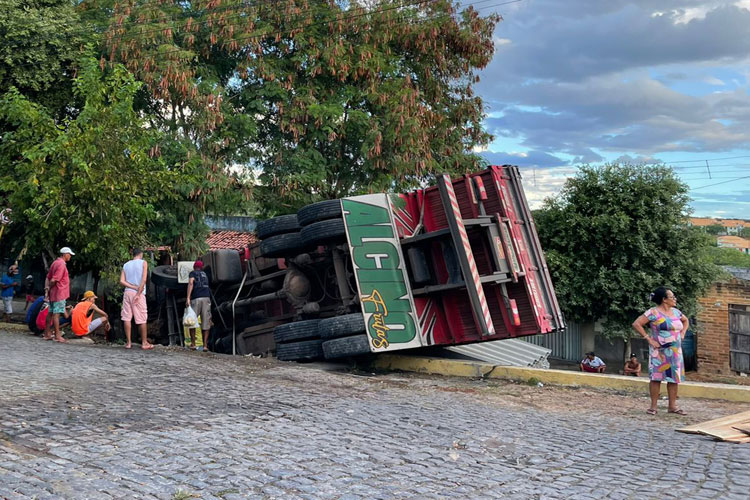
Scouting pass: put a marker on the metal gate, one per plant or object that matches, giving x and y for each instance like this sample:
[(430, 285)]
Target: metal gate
[(565, 344), (739, 338)]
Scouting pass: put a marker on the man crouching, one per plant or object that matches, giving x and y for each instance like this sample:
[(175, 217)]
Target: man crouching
[(83, 316)]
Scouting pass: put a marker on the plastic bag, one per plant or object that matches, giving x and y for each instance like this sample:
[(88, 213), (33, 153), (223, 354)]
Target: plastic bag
[(190, 319)]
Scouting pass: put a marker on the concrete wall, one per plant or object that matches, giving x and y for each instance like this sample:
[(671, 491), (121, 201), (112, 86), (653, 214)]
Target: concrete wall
[(713, 324), (231, 223)]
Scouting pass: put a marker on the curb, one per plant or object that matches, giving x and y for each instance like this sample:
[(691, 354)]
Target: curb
[(13, 326), (474, 369)]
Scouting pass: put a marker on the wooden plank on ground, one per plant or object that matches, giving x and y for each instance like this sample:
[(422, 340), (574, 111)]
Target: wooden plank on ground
[(743, 428), (725, 433), (736, 419), (743, 440)]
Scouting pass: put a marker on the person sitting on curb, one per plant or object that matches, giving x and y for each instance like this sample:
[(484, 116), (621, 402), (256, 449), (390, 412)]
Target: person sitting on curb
[(83, 316), (633, 366), (592, 363)]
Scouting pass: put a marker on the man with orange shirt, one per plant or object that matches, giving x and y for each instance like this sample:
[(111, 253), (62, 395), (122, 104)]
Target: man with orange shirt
[(83, 316)]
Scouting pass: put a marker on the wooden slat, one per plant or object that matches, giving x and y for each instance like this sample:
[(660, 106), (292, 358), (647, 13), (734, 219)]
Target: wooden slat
[(743, 428), (735, 419), (725, 433), (743, 440)]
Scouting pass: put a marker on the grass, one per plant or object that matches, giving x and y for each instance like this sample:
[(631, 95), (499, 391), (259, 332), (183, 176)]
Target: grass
[(183, 495)]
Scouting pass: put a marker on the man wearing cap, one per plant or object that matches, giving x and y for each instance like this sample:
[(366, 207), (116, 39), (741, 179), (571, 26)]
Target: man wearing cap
[(632, 366), (56, 291), (9, 282), (133, 278), (199, 298), (592, 363), (83, 316)]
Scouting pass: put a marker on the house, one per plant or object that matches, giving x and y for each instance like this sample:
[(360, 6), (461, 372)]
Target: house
[(731, 226), (234, 233), (723, 324), (741, 244)]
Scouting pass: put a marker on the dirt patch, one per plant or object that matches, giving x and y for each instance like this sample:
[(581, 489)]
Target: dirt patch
[(561, 399)]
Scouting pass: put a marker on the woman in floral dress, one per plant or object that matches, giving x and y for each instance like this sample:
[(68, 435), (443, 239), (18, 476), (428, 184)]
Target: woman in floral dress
[(667, 330)]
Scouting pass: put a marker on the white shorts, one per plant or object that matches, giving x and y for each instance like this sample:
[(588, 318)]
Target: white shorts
[(95, 324), (8, 304)]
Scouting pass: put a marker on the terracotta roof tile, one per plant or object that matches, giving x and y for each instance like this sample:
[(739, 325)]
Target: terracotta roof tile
[(235, 240)]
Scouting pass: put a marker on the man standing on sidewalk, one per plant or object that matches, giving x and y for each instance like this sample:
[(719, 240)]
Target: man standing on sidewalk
[(133, 278), (9, 282), (57, 290)]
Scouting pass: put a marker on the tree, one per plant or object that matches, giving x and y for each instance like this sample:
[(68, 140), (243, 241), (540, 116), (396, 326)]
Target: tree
[(745, 232), (729, 257), (321, 98), (41, 41), (614, 234), (93, 182), (715, 229)]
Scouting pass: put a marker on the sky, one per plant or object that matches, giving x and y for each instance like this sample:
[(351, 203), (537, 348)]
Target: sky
[(589, 82)]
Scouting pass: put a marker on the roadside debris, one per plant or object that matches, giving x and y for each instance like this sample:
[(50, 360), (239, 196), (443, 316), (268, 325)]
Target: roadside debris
[(733, 428)]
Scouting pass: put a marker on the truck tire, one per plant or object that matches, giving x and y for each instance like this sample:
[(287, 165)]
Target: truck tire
[(298, 330), (341, 326), (281, 245), (165, 276), (326, 231), (306, 350), (227, 267), (323, 210), (277, 225), (343, 347)]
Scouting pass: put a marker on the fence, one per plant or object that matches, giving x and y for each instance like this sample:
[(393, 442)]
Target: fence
[(565, 345)]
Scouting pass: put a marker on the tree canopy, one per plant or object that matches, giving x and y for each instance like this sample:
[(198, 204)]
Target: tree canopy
[(613, 235), (321, 98), (225, 107), (92, 182)]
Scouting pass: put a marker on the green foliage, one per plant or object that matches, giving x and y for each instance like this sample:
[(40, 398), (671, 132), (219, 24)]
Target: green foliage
[(92, 182), (728, 257), (615, 233), (715, 229), (744, 232), (322, 98), (41, 39)]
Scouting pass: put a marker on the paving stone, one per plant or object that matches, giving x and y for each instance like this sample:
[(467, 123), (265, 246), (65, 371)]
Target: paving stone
[(97, 422)]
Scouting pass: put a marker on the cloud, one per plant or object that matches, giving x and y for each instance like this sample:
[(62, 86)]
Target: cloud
[(528, 159), (632, 81), (574, 40)]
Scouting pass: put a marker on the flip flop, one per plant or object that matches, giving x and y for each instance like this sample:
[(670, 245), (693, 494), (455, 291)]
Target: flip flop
[(128, 346), (147, 348), (651, 411), (678, 411), (62, 341)]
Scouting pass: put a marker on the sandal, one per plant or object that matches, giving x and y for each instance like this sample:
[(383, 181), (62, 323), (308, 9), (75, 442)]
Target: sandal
[(677, 411), (147, 347), (651, 411)]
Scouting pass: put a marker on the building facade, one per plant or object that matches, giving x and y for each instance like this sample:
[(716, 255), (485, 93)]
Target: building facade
[(723, 323)]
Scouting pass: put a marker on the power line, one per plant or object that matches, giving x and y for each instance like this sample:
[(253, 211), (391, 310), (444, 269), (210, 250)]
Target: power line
[(723, 182), (345, 18), (710, 159), (259, 33)]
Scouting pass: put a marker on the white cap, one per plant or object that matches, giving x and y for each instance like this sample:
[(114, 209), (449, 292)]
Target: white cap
[(66, 250)]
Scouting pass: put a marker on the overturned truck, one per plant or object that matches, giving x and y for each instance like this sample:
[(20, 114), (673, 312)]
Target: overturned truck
[(455, 263)]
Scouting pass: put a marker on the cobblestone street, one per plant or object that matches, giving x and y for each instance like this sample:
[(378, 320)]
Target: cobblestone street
[(104, 422)]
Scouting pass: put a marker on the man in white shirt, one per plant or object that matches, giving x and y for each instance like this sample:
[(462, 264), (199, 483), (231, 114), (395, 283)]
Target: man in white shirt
[(592, 363)]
